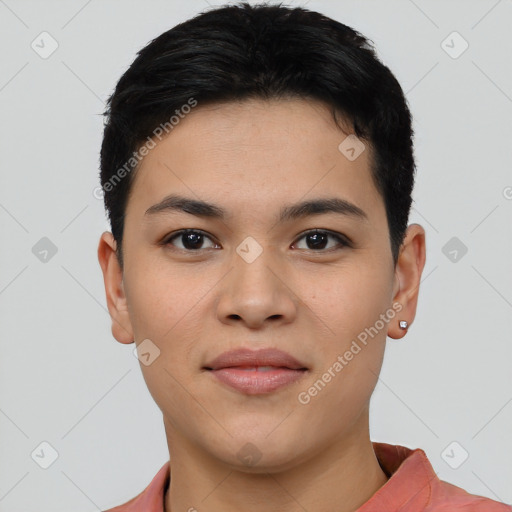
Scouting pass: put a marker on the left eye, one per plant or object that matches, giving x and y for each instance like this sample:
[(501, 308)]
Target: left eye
[(318, 240)]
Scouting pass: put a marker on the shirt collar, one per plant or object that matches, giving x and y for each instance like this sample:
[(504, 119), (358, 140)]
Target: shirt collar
[(410, 479), (409, 471)]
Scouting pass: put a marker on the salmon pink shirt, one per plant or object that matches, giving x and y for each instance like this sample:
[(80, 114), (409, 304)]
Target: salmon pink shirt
[(412, 486)]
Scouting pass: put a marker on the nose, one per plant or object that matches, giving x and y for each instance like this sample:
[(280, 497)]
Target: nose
[(256, 293)]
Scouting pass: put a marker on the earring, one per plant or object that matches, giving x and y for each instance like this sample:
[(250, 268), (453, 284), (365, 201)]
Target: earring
[(403, 324)]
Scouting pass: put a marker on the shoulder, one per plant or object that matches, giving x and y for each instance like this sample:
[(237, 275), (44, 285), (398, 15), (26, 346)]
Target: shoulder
[(413, 485), (448, 497)]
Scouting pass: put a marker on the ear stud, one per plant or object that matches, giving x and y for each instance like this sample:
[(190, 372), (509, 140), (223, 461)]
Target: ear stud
[(403, 324)]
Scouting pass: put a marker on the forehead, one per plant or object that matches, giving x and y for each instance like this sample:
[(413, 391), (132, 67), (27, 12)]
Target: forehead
[(258, 152)]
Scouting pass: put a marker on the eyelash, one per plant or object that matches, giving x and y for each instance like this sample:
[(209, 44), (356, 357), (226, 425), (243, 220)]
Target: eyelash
[(342, 240)]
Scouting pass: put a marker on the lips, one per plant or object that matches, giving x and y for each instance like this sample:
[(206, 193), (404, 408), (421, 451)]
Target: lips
[(256, 372), (246, 358)]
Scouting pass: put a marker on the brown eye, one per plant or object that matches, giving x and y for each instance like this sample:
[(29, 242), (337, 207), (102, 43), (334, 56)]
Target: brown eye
[(317, 240), (189, 240)]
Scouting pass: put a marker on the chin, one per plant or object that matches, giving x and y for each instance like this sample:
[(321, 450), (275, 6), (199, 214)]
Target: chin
[(257, 452), (263, 463)]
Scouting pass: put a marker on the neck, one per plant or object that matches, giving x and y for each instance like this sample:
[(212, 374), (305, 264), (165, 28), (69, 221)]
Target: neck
[(342, 477)]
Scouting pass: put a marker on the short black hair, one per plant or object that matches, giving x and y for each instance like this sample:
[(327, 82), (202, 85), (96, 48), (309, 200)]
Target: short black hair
[(238, 52)]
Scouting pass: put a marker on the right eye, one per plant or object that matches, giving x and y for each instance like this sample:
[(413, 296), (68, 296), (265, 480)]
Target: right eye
[(191, 240)]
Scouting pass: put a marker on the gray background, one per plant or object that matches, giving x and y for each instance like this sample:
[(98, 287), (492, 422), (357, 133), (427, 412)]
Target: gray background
[(66, 381)]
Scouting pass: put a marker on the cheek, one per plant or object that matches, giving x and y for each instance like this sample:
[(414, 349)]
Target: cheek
[(168, 309), (159, 300), (350, 359), (164, 310), (349, 299), (349, 305)]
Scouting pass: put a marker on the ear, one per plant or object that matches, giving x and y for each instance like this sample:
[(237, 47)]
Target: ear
[(114, 289), (408, 270)]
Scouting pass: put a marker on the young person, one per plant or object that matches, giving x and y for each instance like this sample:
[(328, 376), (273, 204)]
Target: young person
[(258, 166)]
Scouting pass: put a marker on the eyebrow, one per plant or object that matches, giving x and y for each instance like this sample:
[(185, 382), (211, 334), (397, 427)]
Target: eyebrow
[(199, 208)]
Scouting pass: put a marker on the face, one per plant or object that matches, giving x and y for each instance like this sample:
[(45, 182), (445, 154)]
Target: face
[(257, 273)]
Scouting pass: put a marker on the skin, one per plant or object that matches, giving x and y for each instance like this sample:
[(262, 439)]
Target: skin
[(252, 158)]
